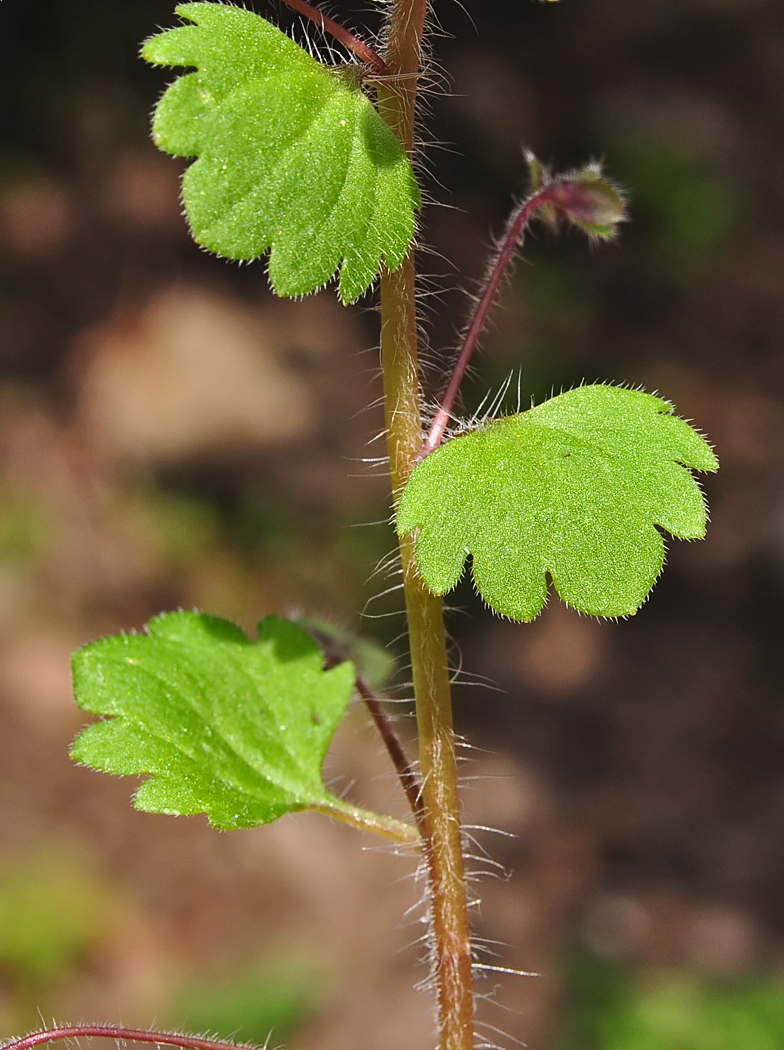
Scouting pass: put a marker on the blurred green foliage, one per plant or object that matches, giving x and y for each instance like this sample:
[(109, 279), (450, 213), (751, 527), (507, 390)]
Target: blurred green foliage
[(557, 292), (26, 527), (182, 525), (264, 525), (374, 664), (687, 208), (53, 910), (274, 999), (615, 1008)]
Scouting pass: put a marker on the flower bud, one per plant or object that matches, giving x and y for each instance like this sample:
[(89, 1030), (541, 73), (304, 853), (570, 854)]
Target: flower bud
[(588, 200)]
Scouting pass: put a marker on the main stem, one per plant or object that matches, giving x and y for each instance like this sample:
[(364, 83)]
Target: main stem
[(452, 961)]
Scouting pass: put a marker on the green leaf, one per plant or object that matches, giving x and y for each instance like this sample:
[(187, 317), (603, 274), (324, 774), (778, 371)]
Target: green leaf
[(226, 726), (574, 488), (292, 156)]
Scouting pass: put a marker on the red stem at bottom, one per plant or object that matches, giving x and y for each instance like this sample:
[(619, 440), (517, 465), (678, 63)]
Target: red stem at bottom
[(109, 1031)]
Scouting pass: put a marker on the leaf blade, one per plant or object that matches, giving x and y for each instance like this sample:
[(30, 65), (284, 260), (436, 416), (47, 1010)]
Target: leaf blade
[(574, 488), (222, 725), (291, 155)]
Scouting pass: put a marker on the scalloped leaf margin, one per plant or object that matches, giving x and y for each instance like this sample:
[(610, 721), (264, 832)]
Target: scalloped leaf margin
[(292, 156), (577, 488), (220, 724)]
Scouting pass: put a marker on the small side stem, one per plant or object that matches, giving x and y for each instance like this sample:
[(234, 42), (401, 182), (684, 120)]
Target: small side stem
[(362, 50), (334, 654), (515, 228), (452, 960), (408, 777)]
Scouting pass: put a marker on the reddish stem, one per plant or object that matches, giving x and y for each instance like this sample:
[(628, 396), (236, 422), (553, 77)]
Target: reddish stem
[(334, 654), (109, 1031), (515, 227), (362, 50), (408, 777)]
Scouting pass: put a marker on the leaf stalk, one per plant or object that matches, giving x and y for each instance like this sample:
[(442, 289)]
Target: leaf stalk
[(334, 654), (409, 780), (367, 820), (362, 50), (515, 228)]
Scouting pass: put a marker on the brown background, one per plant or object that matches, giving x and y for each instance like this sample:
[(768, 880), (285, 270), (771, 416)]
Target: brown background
[(171, 436)]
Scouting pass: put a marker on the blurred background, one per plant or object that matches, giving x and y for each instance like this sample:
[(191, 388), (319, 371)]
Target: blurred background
[(171, 436)]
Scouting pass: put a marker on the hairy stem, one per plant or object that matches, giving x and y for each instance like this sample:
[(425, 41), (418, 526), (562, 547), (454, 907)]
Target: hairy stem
[(362, 50), (110, 1031), (427, 638), (515, 228)]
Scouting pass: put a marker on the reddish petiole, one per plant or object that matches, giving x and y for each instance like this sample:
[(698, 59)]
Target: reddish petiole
[(362, 50), (515, 228)]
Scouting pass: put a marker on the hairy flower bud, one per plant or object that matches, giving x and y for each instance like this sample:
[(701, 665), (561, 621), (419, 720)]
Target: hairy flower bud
[(590, 201), (584, 197)]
